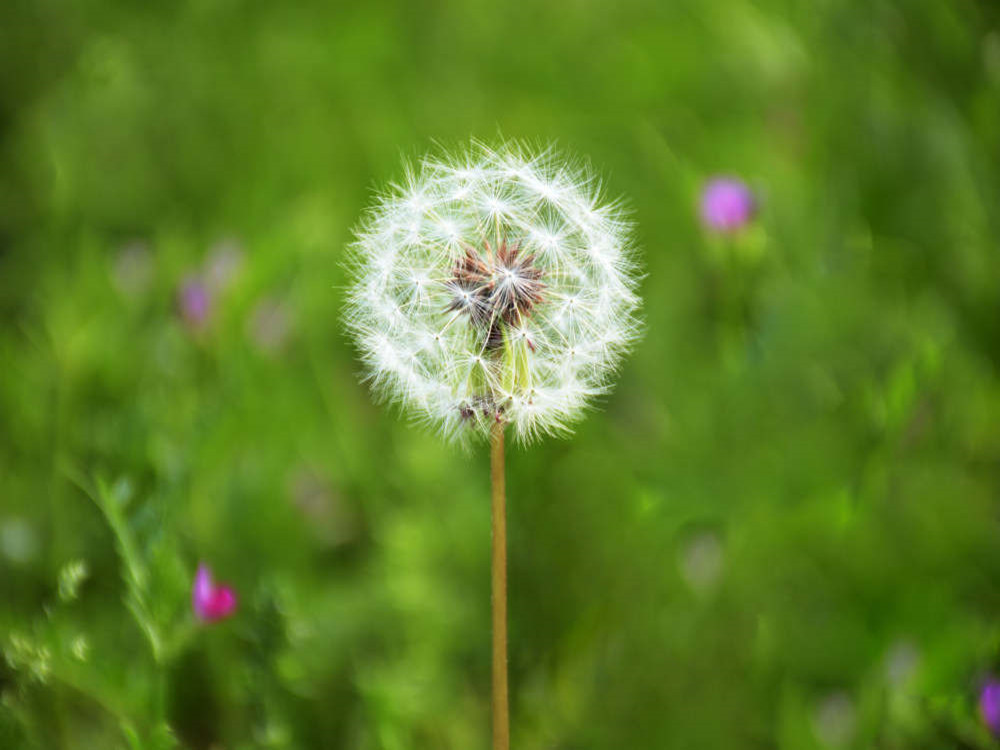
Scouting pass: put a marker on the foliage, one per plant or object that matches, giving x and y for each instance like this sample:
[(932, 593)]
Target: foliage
[(781, 528)]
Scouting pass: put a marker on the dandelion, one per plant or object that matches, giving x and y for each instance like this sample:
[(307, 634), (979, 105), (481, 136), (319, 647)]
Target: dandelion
[(727, 204), (494, 287), (493, 290), (211, 602)]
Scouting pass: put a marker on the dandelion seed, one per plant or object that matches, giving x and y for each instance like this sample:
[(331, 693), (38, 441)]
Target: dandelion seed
[(509, 263)]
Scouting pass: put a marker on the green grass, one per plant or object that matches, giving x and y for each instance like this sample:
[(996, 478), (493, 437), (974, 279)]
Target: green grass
[(779, 531)]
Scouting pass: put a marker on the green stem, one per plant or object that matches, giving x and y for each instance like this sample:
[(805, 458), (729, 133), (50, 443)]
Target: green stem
[(501, 718)]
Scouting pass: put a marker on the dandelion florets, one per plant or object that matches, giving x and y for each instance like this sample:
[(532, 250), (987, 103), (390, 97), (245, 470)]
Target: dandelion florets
[(490, 287)]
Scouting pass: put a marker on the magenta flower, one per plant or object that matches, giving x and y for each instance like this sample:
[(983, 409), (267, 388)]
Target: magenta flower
[(211, 602), (989, 705), (727, 204)]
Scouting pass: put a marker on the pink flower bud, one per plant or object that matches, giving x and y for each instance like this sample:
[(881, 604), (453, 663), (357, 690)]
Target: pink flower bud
[(211, 602)]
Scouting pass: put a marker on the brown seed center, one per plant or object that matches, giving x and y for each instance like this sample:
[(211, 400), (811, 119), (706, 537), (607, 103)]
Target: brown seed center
[(496, 289)]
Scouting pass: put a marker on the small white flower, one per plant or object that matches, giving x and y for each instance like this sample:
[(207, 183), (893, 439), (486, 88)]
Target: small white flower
[(493, 286)]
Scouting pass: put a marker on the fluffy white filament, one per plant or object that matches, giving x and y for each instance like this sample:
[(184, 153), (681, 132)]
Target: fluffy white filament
[(431, 358)]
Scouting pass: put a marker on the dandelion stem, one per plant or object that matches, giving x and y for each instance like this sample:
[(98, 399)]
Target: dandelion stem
[(501, 720)]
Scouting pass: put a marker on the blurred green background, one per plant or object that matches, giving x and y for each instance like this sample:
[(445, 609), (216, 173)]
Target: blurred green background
[(780, 531)]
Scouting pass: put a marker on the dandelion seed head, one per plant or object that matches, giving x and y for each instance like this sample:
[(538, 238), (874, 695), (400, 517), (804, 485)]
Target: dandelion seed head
[(493, 285)]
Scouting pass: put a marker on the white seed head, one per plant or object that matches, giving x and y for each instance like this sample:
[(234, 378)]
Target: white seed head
[(493, 285)]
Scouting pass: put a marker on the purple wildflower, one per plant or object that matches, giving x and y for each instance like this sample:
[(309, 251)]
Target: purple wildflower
[(194, 302), (727, 204), (211, 602), (989, 705)]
